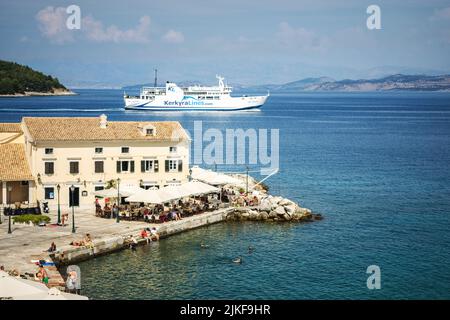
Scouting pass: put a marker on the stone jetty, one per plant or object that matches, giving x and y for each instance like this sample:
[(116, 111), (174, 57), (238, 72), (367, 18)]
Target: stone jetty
[(274, 209)]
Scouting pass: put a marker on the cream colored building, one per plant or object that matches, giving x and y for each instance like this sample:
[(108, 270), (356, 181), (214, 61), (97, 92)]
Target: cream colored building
[(88, 153)]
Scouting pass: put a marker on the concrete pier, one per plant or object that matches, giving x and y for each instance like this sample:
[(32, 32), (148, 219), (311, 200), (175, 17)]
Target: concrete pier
[(28, 243)]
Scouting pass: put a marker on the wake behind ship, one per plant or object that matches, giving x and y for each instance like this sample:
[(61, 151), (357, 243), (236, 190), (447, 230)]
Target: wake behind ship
[(192, 98)]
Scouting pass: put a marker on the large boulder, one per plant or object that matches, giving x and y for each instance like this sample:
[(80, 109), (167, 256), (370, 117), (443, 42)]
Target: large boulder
[(287, 217), (253, 215), (280, 210), (264, 216), (290, 209), (273, 214), (277, 200), (265, 205), (285, 202), (245, 214), (303, 211)]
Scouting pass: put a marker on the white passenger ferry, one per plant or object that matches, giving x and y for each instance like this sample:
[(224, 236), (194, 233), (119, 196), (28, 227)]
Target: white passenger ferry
[(192, 98)]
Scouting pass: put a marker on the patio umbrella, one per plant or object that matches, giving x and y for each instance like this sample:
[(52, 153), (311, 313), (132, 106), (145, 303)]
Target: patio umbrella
[(213, 178), (112, 193), (12, 287), (195, 188), (146, 196)]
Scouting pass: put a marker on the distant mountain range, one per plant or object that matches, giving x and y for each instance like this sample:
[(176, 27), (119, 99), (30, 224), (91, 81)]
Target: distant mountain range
[(397, 82)]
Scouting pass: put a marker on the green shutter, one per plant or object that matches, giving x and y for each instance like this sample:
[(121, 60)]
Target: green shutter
[(142, 165), (167, 165), (180, 165), (156, 165), (131, 166), (118, 167)]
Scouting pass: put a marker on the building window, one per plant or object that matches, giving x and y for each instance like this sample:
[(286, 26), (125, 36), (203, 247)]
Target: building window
[(125, 149), (48, 150), (174, 165), (49, 193), (98, 188), (74, 167), (149, 132), (49, 167), (149, 166), (98, 150), (125, 166), (173, 149), (99, 167)]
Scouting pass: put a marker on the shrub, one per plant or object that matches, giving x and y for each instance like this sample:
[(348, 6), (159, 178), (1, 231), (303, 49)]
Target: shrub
[(34, 218)]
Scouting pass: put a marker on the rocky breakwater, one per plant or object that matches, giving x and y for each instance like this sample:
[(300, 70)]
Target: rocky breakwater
[(274, 209)]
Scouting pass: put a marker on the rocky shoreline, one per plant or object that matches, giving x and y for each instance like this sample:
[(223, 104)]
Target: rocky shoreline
[(274, 209), (56, 92)]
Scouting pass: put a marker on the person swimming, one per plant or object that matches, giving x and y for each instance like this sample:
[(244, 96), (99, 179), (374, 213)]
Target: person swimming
[(237, 260)]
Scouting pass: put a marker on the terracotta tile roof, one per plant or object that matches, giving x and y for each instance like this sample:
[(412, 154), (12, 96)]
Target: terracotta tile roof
[(13, 163), (10, 127), (88, 129)]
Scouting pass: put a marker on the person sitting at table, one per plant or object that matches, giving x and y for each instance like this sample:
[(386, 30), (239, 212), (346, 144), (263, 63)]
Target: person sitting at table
[(107, 210), (174, 215), (146, 214)]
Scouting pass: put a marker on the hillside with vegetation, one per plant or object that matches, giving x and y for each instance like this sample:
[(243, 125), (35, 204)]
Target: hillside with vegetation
[(16, 79)]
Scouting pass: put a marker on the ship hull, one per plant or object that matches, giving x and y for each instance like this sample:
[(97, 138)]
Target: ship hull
[(190, 104)]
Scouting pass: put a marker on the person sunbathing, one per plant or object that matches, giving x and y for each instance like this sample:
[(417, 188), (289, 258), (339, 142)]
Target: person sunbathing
[(77, 243)]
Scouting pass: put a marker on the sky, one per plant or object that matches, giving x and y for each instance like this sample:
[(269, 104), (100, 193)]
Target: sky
[(250, 42)]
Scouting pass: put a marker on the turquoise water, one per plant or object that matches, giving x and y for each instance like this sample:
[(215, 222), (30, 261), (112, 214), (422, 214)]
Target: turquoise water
[(376, 165)]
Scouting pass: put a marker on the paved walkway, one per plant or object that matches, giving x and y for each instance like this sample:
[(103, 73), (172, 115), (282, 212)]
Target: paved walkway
[(31, 242)]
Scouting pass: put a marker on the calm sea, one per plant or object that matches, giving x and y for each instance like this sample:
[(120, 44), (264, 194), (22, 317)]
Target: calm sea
[(376, 165)]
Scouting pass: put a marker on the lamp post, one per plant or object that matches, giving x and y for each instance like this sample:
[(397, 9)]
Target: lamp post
[(72, 190), (118, 201), (190, 174), (58, 188), (10, 211)]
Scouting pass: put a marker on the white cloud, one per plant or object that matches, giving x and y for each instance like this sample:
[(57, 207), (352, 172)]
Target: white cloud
[(52, 24), (173, 36), (300, 38), (95, 31)]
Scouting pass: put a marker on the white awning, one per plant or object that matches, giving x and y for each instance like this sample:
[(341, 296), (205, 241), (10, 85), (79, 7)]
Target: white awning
[(112, 193), (170, 193), (212, 177)]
